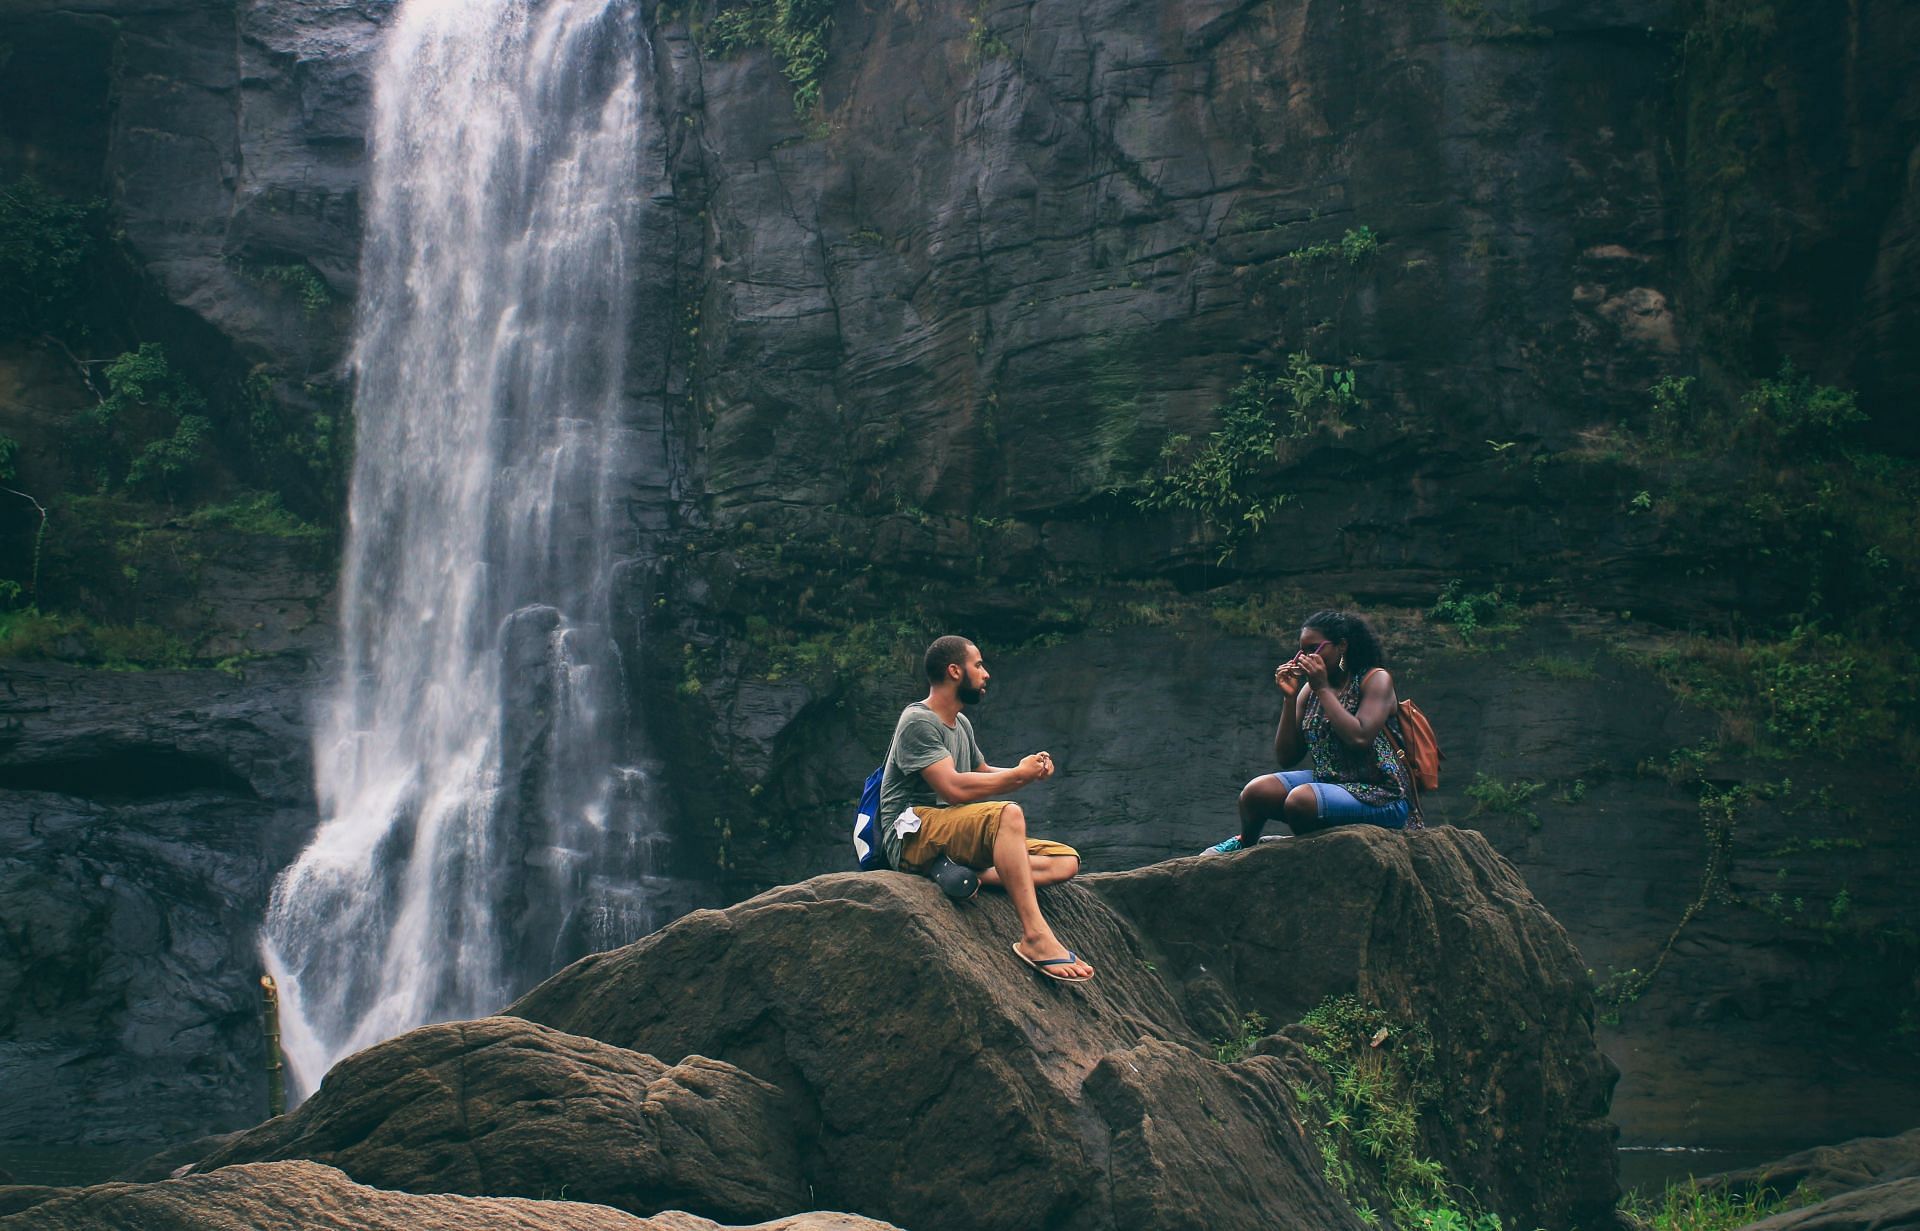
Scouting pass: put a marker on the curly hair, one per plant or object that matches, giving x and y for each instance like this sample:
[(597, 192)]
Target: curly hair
[(943, 653), (1364, 651)]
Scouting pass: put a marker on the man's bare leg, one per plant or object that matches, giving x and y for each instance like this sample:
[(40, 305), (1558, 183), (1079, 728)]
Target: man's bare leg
[(1047, 870), (1015, 874)]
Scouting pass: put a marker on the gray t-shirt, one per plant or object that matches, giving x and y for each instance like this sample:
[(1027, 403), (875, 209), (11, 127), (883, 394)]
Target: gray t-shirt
[(920, 739)]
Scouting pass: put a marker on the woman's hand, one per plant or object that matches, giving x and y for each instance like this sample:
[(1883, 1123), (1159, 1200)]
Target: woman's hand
[(1315, 669), (1288, 678)]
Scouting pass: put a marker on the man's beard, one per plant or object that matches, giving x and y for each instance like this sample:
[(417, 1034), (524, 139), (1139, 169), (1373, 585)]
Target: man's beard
[(971, 696)]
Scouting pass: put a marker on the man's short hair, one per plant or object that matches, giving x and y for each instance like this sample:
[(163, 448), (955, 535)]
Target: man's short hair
[(945, 652)]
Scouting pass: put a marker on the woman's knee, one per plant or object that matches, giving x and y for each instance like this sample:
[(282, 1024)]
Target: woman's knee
[(1302, 801), (1266, 790)]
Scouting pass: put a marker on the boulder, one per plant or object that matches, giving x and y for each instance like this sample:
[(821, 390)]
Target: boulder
[(305, 1196), (1828, 1171), (504, 1107), (936, 1081), (1894, 1206)]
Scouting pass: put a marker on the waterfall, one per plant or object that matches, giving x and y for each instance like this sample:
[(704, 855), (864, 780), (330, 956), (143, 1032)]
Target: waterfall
[(481, 816)]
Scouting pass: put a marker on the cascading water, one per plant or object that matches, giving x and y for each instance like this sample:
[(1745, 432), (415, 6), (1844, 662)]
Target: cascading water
[(477, 824)]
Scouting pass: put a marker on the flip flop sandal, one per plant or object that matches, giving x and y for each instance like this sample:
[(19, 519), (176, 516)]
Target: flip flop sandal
[(1043, 967)]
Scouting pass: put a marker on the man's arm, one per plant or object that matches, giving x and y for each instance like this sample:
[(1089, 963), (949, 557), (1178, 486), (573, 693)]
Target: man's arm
[(969, 787)]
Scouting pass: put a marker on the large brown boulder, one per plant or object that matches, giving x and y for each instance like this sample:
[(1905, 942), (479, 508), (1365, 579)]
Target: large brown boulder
[(504, 1107), (1894, 1206), (303, 1196), (937, 1082), (1829, 1171)]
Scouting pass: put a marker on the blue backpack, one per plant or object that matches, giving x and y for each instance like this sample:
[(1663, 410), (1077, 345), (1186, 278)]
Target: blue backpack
[(868, 850)]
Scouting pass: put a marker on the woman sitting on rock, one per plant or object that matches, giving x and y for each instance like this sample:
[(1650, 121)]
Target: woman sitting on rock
[(1337, 702)]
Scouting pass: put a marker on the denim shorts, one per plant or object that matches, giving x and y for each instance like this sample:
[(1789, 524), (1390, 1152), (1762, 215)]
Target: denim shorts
[(1338, 805)]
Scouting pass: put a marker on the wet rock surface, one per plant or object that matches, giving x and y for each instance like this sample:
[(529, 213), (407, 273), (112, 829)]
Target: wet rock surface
[(302, 1196), (502, 1107), (142, 818), (1893, 1206), (1830, 1171), (923, 1060)]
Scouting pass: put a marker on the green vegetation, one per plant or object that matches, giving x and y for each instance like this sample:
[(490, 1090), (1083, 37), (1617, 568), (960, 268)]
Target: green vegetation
[(1354, 247), (793, 31), (1253, 1028), (1688, 1207), (983, 43), (1806, 692), (1489, 794), (1229, 480), (315, 295), (46, 244), (259, 513), (149, 429), (32, 633), (1468, 614), (1562, 667), (1365, 1118)]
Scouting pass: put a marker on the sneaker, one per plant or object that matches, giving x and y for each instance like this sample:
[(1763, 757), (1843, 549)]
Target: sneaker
[(1225, 848)]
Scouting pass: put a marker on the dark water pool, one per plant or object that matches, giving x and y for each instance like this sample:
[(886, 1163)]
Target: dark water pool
[(69, 1164), (1651, 1168)]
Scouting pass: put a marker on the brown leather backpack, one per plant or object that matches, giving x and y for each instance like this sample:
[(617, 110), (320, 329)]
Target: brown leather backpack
[(1413, 739)]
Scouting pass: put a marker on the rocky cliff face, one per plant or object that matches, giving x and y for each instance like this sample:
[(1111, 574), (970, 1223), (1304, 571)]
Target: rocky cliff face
[(914, 348), (143, 818)]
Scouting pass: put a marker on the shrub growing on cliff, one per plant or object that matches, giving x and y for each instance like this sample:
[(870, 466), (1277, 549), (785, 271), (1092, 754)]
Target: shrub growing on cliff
[(1228, 479), (1366, 1118), (794, 31), (148, 430), (45, 244), (1355, 246)]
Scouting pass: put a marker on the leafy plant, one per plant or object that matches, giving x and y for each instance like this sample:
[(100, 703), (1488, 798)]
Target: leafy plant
[(313, 290), (1489, 794), (1220, 478), (260, 513), (1253, 1028), (1488, 610), (1562, 667), (1672, 413), (46, 242), (794, 31), (1355, 246), (1685, 1206), (149, 428), (1793, 407), (1365, 1119)]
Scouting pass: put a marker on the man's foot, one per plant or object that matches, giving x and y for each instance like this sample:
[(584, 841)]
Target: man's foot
[(1063, 967), (1226, 848)]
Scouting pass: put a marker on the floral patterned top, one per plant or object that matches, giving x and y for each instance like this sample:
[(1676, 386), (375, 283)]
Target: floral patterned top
[(1373, 775)]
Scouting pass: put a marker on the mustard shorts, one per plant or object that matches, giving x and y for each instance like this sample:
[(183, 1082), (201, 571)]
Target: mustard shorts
[(964, 833)]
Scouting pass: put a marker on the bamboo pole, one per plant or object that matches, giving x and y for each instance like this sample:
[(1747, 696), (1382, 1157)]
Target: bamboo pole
[(276, 1079)]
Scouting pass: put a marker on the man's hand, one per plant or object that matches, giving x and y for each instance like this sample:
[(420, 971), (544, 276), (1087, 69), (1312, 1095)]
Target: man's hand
[(1037, 766)]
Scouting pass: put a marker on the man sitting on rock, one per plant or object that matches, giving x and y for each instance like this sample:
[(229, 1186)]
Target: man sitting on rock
[(930, 806)]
